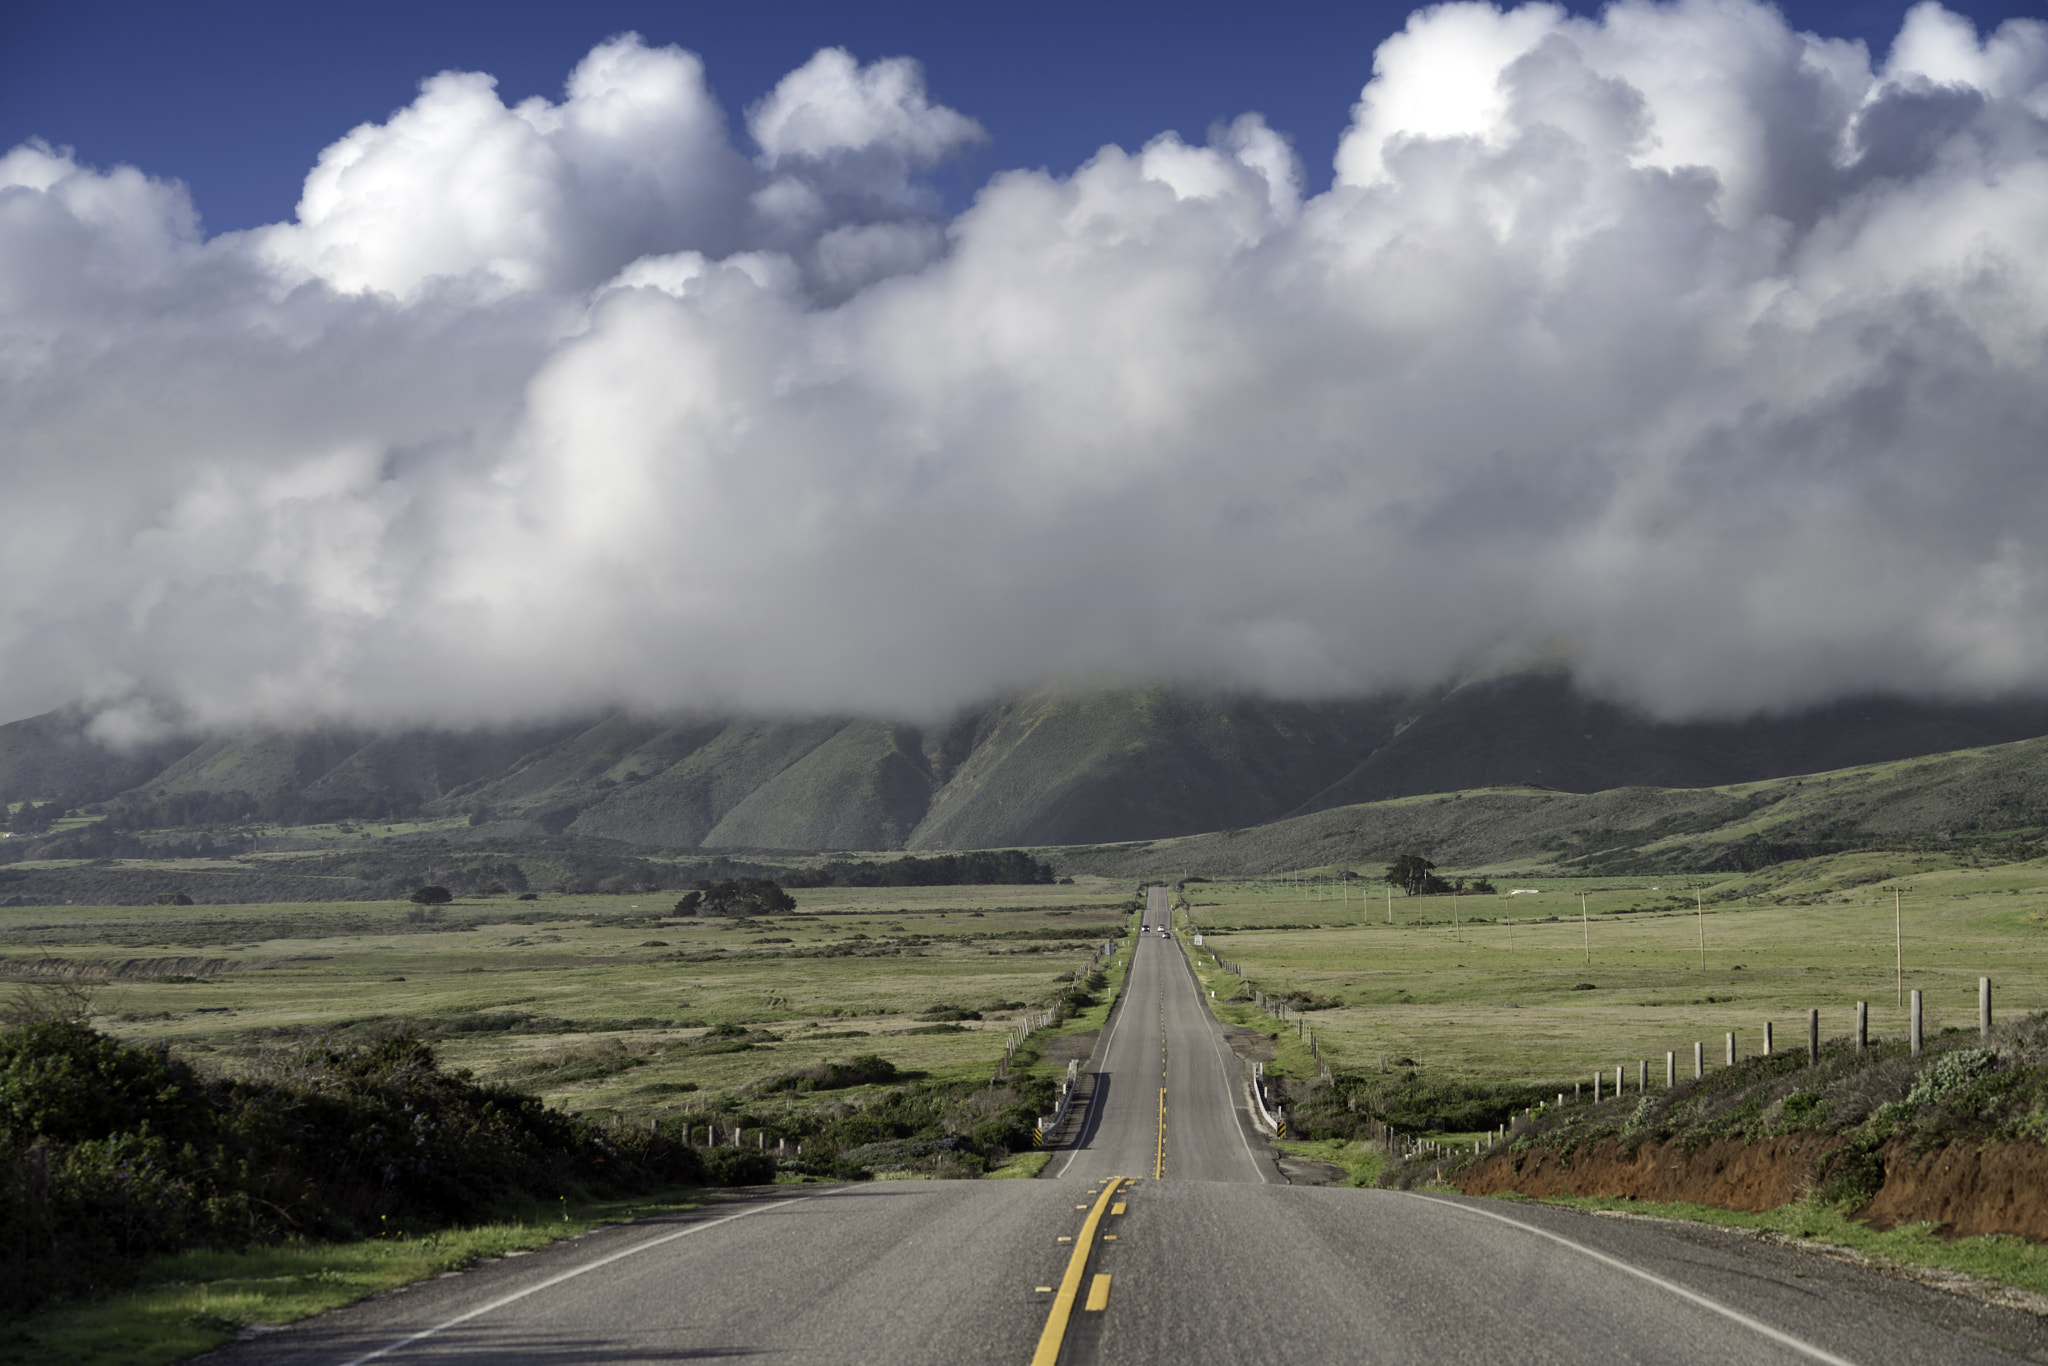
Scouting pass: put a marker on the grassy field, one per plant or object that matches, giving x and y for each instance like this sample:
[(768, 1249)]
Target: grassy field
[(1520, 989), (598, 1003), (199, 1300)]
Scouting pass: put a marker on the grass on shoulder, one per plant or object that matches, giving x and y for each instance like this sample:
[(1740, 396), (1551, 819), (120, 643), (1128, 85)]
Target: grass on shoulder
[(196, 1301), (1022, 1167), (1361, 1161), (2004, 1258)]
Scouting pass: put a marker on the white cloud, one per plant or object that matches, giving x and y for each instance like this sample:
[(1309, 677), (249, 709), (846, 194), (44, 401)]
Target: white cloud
[(457, 186), (1674, 343)]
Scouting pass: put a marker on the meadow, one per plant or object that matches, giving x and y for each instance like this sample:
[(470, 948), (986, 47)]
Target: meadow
[(1520, 989), (604, 1005)]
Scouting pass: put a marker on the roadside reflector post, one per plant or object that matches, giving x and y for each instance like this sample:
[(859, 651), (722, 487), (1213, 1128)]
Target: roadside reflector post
[(1767, 1040), (1812, 1037), (1699, 1061), (1913, 1028), (1617, 1081), (1671, 1069), (1731, 1047), (1642, 1074), (1862, 1025), (1984, 1007)]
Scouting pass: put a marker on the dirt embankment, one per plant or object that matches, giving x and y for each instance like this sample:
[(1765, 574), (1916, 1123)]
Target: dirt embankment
[(1993, 1188)]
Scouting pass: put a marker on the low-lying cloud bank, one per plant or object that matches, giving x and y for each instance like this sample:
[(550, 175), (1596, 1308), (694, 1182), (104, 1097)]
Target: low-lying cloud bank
[(1705, 355)]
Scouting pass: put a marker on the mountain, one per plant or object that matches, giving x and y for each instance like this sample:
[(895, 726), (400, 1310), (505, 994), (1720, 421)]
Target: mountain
[(1537, 730), (1054, 768), (1989, 802)]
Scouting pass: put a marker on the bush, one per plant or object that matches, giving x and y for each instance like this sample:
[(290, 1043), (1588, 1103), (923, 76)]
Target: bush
[(432, 896), (741, 897), (111, 1153)]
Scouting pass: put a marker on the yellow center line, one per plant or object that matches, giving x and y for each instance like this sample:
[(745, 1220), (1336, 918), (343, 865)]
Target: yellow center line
[(1055, 1334), (1159, 1161)]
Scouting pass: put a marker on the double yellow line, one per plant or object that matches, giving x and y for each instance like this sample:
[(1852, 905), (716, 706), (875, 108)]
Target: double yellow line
[(1055, 1333)]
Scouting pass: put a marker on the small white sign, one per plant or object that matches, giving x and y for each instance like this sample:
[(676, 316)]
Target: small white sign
[(1198, 941)]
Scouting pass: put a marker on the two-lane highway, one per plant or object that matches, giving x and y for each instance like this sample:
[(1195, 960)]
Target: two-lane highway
[(1165, 1234), (1161, 1059)]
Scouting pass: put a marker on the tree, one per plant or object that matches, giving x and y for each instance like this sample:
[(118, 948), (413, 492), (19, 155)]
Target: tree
[(1411, 873), (433, 896), (746, 896), (689, 904)]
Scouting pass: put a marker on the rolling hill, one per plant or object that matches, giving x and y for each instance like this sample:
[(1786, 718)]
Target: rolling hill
[(1050, 769)]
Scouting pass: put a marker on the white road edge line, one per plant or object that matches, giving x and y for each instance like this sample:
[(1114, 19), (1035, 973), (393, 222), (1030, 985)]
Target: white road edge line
[(1755, 1325), (1238, 1116), (553, 1281)]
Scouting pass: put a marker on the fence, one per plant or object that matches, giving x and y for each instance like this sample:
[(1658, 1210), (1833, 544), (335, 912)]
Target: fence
[(1045, 1019), (1859, 1037)]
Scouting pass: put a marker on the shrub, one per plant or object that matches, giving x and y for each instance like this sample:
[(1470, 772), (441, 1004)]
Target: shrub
[(432, 896), (111, 1153)]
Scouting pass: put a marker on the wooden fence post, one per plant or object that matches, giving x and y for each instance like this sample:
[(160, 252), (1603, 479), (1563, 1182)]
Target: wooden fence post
[(1862, 1025), (1984, 1007), (1812, 1037)]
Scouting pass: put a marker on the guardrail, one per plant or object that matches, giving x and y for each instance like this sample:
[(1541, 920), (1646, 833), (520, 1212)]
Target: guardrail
[(1277, 1122), (1048, 1125)]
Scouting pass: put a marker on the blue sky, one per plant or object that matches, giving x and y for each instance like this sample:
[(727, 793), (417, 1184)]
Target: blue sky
[(237, 99)]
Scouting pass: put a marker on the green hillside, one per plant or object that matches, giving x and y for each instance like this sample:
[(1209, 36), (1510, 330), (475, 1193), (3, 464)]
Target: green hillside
[(1995, 796), (1052, 768)]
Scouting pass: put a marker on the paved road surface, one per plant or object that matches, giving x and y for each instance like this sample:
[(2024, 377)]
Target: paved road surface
[(1213, 1259)]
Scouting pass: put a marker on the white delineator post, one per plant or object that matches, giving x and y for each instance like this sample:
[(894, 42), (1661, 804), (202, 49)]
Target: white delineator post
[(1913, 1028), (1699, 1060), (1984, 1007), (1670, 1069), (1862, 1025)]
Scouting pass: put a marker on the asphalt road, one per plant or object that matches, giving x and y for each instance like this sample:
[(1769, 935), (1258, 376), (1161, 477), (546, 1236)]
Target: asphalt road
[(1167, 1235)]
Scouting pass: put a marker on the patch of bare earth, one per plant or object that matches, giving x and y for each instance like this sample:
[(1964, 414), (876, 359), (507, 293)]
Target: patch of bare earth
[(1963, 1190)]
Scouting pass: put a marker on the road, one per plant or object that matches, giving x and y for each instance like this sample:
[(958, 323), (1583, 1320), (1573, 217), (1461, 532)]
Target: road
[(1166, 1235)]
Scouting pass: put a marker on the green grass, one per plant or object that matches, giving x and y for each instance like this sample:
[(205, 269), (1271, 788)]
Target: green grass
[(610, 993), (1495, 1002), (196, 1301), (1022, 1167), (1361, 1161)]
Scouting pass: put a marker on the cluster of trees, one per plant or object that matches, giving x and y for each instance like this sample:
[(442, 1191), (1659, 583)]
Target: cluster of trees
[(979, 867), (739, 896), (1416, 876), (32, 818)]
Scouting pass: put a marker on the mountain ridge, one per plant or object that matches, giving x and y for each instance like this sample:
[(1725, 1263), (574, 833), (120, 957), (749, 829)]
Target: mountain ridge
[(1055, 768)]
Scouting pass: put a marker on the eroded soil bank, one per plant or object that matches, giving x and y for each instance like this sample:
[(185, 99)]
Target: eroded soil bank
[(1993, 1188), (1728, 1173)]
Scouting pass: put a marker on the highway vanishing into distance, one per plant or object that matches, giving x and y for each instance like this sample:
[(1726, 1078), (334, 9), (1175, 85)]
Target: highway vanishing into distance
[(1166, 1232)]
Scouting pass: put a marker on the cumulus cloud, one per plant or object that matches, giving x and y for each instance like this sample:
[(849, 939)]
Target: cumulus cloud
[(1702, 353)]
